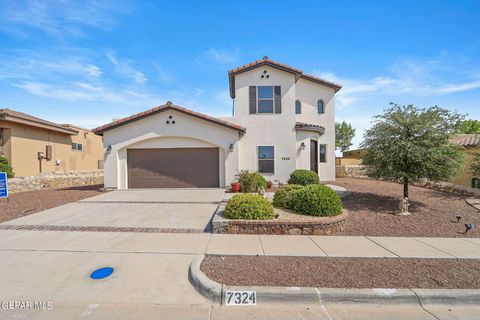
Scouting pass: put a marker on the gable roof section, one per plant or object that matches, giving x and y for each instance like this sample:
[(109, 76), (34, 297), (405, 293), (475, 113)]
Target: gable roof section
[(466, 140), (26, 119), (280, 66), (168, 106)]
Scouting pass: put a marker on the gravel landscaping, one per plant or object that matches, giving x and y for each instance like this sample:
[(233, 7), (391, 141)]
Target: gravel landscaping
[(25, 203), (331, 272), (372, 207)]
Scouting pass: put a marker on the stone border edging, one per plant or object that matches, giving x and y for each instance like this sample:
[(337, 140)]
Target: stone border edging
[(271, 295), (327, 225)]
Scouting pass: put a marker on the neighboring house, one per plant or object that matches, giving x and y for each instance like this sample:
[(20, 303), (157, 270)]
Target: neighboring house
[(471, 147), (282, 120), (351, 157), (34, 145)]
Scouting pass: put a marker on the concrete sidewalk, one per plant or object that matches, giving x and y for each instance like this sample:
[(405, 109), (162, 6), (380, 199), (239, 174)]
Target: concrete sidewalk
[(221, 244), (344, 246)]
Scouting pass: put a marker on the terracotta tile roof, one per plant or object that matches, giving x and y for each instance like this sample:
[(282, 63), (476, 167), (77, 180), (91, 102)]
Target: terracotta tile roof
[(23, 118), (267, 62), (168, 106), (309, 127), (466, 140)]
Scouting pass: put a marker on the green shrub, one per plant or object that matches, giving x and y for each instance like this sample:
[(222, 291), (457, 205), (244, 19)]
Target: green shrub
[(283, 196), (251, 181), (303, 177), (317, 200), (5, 166), (249, 206)]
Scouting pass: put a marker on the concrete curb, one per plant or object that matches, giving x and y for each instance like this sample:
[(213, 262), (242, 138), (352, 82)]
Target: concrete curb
[(282, 295), (207, 287)]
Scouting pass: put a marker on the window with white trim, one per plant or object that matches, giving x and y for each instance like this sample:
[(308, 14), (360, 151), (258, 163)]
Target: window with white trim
[(265, 99), (322, 152), (298, 107), (320, 107), (266, 159), (77, 146)]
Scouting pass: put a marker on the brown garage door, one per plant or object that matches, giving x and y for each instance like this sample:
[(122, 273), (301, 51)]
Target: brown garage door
[(173, 168)]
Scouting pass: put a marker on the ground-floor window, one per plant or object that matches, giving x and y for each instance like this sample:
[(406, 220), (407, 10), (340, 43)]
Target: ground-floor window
[(323, 152), (266, 159), (476, 183)]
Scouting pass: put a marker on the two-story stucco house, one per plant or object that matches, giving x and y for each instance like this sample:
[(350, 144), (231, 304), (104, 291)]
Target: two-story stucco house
[(282, 120)]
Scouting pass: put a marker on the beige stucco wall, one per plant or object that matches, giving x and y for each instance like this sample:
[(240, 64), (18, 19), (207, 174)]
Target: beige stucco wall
[(266, 129), (309, 93), (153, 132), (278, 130), (464, 178), (26, 141)]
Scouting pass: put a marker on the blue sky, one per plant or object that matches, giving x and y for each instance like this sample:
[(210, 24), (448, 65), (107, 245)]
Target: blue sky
[(86, 62)]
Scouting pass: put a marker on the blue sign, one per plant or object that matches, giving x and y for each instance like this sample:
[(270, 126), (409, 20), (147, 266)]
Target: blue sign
[(3, 185)]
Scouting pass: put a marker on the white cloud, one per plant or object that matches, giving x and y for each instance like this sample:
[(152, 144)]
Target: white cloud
[(404, 77), (221, 56), (78, 91), (452, 88), (28, 67), (124, 67), (57, 17)]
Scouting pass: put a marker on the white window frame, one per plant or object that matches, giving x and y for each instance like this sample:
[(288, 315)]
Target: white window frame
[(258, 159), (319, 153), (323, 104), (75, 146), (264, 99)]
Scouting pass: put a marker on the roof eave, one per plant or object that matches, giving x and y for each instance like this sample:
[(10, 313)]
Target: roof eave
[(100, 130), (11, 118)]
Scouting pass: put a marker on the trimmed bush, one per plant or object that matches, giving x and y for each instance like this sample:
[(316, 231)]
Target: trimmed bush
[(250, 181), (316, 200), (303, 177), (250, 207), (5, 166), (283, 196)]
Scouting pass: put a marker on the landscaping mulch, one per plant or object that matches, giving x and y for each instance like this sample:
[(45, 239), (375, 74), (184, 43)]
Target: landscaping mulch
[(25, 203), (329, 272), (372, 207)]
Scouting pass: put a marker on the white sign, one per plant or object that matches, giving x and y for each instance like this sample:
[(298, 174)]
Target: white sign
[(240, 298)]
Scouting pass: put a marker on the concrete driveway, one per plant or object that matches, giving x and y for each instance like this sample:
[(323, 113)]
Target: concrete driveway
[(167, 210)]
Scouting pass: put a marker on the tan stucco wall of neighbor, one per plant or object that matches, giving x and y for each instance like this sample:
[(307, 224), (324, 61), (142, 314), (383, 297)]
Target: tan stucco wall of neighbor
[(464, 178), (6, 142), (26, 141), (154, 132)]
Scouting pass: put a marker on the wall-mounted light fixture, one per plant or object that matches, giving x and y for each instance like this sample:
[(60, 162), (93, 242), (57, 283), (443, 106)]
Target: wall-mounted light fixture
[(109, 149), (302, 146), (231, 147)]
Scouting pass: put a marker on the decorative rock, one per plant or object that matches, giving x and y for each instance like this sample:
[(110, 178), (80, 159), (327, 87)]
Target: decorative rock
[(55, 180)]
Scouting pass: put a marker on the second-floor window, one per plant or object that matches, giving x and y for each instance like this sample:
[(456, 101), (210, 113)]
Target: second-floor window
[(265, 99), (320, 107), (298, 107)]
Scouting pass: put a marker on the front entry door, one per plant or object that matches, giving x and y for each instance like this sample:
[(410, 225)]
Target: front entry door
[(314, 156)]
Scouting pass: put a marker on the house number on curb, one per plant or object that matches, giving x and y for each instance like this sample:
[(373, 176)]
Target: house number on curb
[(240, 298)]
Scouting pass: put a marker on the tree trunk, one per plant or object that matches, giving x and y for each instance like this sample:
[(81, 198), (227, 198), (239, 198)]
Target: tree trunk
[(405, 187)]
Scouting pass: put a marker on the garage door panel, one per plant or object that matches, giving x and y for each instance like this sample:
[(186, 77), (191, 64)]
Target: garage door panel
[(173, 167)]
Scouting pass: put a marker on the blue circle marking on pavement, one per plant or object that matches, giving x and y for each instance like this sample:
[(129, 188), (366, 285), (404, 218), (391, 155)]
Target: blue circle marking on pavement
[(101, 273)]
